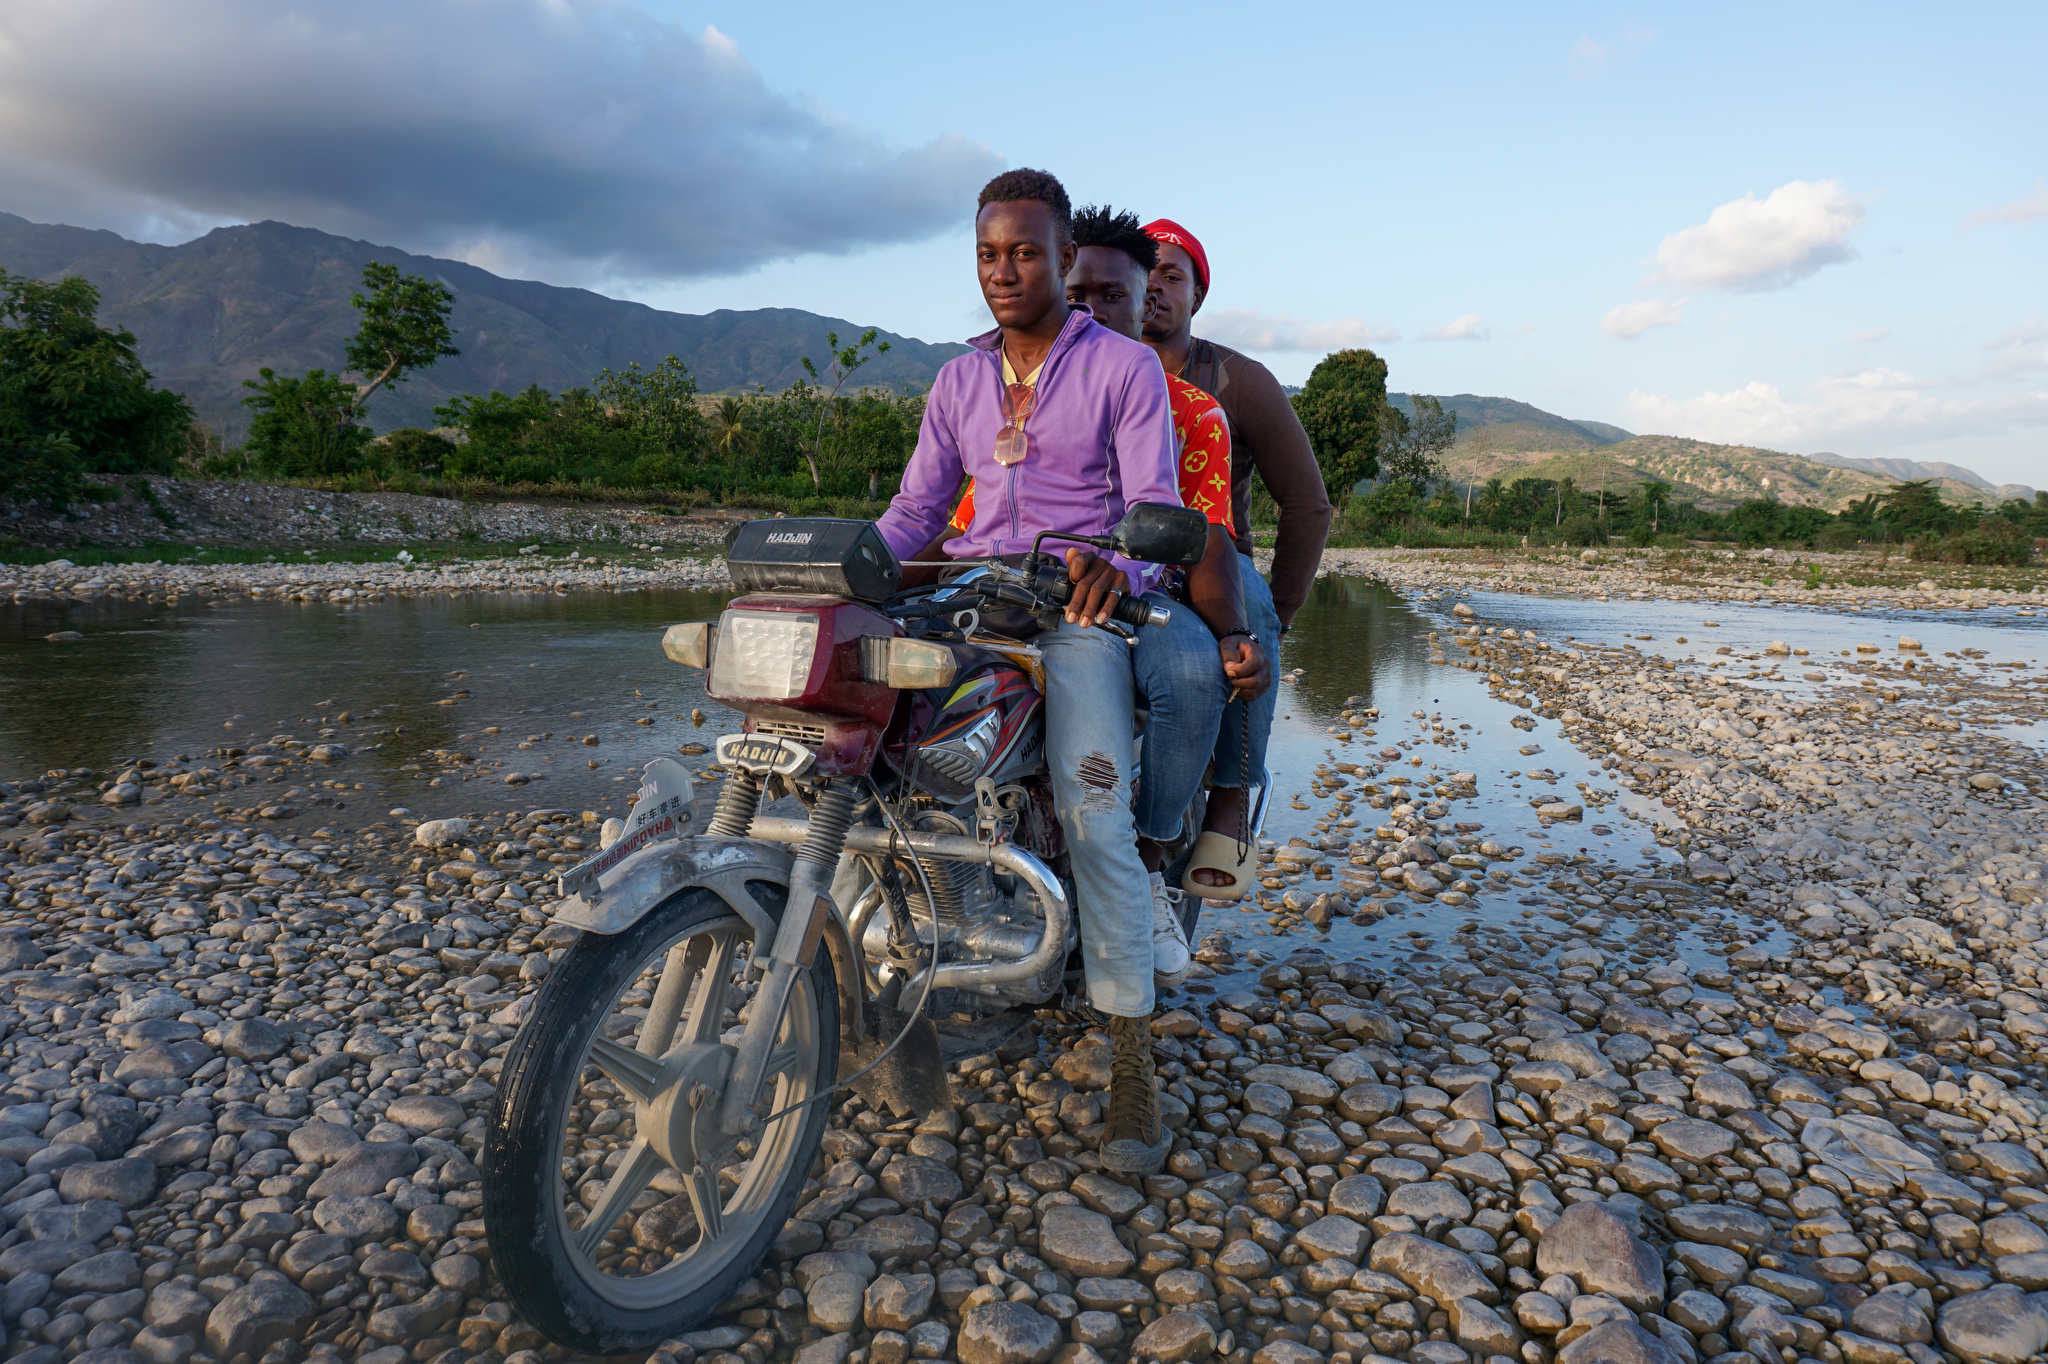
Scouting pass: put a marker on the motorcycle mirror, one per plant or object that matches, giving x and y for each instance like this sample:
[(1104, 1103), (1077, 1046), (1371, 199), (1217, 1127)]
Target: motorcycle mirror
[(1160, 533)]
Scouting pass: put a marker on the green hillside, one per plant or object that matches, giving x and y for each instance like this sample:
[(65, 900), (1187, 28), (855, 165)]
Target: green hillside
[(1507, 424), (1504, 438), (212, 312)]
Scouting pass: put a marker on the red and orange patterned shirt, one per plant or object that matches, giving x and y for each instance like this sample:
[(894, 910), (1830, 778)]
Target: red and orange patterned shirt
[(1203, 438)]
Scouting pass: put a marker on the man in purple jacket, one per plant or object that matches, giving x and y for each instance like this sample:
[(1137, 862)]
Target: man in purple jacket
[(1062, 424)]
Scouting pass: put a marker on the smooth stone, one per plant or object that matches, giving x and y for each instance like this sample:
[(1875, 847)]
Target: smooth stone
[(1081, 1241), (1604, 1255), (1433, 1269), (1007, 1333), (1178, 1335), (257, 1315)]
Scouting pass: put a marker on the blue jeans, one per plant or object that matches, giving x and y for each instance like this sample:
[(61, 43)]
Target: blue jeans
[(1090, 750), (1238, 763), (1180, 675)]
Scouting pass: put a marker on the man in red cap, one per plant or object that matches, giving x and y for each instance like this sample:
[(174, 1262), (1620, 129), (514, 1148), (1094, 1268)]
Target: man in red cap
[(1265, 438)]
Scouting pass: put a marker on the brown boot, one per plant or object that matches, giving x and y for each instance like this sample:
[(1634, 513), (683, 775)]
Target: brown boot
[(1134, 1141)]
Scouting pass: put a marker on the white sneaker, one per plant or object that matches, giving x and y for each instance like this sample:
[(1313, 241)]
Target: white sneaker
[(1171, 959)]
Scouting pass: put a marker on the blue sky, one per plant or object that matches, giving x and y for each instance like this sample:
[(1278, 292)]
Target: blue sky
[(1815, 227), (1401, 167)]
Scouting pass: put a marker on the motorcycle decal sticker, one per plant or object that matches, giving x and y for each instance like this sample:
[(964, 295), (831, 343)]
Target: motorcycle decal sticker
[(661, 809)]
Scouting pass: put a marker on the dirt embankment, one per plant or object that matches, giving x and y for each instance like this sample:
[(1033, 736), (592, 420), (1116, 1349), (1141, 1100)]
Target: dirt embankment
[(155, 510)]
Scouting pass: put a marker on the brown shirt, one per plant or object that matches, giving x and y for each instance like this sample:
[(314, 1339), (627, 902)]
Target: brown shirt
[(1266, 436)]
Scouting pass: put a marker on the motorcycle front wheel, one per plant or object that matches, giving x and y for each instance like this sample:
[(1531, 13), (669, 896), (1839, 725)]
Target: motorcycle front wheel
[(618, 1216)]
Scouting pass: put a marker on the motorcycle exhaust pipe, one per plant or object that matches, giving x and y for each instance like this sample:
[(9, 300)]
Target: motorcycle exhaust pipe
[(977, 976)]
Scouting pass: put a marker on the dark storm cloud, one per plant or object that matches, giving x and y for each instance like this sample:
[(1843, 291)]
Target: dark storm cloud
[(578, 133)]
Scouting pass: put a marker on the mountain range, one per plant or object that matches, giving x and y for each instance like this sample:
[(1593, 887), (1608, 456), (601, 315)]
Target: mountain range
[(212, 312), (1505, 438)]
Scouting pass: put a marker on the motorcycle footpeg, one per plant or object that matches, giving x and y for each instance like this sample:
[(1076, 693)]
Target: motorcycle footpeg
[(911, 1081)]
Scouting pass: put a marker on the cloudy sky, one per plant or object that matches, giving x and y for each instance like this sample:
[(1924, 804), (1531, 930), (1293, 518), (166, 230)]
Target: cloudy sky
[(1818, 227)]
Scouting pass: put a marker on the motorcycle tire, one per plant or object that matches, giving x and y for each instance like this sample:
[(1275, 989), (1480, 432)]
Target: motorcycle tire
[(523, 1198)]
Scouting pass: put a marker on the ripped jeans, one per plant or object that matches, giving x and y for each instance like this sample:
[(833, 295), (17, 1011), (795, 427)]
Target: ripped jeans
[(1090, 750)]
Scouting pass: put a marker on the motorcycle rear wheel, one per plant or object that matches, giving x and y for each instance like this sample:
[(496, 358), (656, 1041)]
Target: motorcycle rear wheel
[(597, 1238)]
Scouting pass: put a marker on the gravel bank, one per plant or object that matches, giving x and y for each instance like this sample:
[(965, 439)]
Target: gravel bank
[(61, 580), (1846, 582), (1778, 1098)]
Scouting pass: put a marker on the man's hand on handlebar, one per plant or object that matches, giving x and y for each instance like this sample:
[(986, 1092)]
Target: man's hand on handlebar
[(1097, 585), (1244, 664)]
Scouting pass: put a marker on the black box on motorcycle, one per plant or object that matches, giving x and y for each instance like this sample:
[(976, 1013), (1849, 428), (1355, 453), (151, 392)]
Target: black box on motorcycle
[(831, 555)]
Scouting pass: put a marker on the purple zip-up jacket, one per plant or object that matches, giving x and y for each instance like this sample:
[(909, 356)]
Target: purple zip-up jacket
[(1101, 439)]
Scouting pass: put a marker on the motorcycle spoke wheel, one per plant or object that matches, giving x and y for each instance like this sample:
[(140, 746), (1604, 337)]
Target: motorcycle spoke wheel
[(651, 1213)]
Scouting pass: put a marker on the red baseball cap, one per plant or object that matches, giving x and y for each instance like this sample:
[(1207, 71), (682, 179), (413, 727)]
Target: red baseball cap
[(1171, 233)]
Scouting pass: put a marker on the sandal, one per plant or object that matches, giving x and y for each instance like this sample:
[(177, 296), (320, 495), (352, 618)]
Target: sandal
[(1226, 855)]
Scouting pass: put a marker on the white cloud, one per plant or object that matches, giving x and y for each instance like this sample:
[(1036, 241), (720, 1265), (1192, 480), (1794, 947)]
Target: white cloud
[(586, 139), (720, 43), (1870, 335), (1751, 243), (2023, 337), (1630, 320), (1590, 55), (1250, 329), (1873, 406), (1469, 327), (2025, 209)]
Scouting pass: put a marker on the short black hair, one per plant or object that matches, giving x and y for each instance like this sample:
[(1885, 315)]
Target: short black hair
[(1101, 225), (1013, 186)]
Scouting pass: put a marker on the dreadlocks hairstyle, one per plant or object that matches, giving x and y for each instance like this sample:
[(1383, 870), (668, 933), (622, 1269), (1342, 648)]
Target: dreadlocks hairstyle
[(1101, 225), (1014, 185)]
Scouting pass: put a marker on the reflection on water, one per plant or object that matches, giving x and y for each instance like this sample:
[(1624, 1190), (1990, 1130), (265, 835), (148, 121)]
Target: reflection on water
[(566, 683), (565, 680), (410, 677)]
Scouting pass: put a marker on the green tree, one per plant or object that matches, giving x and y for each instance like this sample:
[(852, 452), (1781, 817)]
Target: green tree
[(1916, 508), (1413, 445), (872, 441), (313, 425), (74, 399), (1493, 503), (1653, 496), (404, 327), (729, 430), (1567, 499), (659, 405), (821, 395), (304, 425), (1344, 410)]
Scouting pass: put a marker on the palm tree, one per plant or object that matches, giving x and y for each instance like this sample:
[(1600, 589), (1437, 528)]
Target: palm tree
[(1490, 501), (732, 428)]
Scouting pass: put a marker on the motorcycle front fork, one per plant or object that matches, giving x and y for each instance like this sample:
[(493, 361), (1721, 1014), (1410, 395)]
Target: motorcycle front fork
[(796, 937)]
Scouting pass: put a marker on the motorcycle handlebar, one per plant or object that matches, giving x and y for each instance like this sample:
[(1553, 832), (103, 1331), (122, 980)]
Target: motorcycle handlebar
[(1135, 612)]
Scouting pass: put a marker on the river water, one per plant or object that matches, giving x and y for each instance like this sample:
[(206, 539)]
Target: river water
[(456, 704), (570, 692)]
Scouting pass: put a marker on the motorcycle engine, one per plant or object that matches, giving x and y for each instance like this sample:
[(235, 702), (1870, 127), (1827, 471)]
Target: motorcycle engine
[(977, 914)]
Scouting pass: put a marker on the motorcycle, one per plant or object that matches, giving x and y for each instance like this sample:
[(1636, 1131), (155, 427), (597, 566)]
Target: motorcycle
[(664, 1101)]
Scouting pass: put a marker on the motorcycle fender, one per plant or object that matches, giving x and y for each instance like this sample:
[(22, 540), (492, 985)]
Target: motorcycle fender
[(722, 866)]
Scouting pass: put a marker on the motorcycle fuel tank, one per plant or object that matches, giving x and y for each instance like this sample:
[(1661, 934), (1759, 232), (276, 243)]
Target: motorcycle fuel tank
[(984, 725)]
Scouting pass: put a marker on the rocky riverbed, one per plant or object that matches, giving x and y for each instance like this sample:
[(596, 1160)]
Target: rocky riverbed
[(645, 552), (1774, 1094), (1839, 581), (650, 568)]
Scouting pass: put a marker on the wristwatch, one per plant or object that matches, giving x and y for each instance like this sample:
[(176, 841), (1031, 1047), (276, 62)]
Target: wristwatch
[(1239, 634)]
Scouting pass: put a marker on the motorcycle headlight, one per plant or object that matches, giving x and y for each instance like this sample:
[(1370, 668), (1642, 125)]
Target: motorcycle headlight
[(763, 655)]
